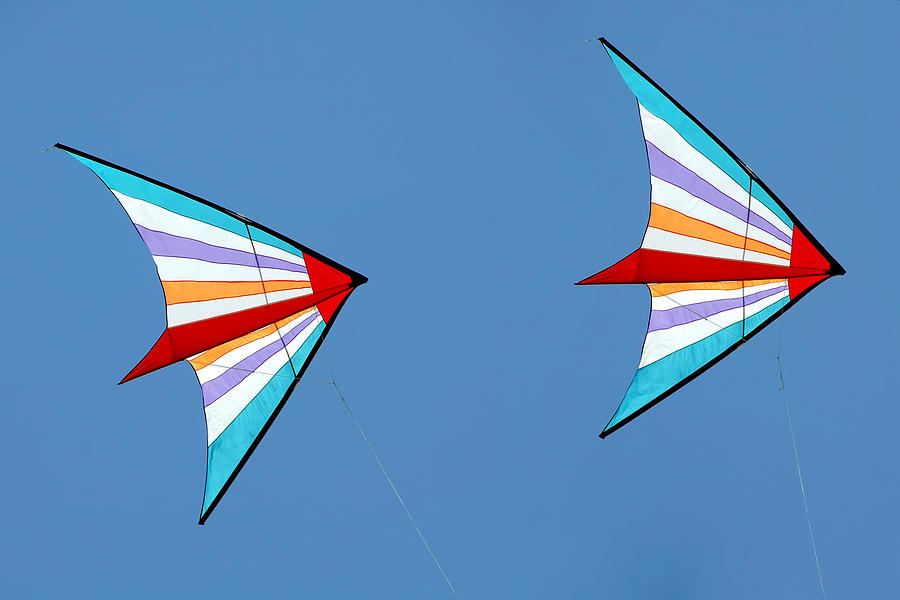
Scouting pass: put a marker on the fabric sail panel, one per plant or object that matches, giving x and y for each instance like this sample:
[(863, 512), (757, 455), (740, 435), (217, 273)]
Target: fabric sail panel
[(245, 306), (721, 255)]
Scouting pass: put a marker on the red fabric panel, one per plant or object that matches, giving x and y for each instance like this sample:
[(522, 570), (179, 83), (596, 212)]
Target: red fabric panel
[(182, 341), (655, 266), (798, 285), (805, 255), (323, 276)]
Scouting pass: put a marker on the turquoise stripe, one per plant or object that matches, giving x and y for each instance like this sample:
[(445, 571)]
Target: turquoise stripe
[(299, 357), (259, 235), (658, 377), (232, 445), (136, 187), (656, 102), (760, 194), (754, 321)]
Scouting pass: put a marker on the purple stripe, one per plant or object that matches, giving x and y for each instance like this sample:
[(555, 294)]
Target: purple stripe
[(216, 388), (664, 319), (668, 169), (161, 243)]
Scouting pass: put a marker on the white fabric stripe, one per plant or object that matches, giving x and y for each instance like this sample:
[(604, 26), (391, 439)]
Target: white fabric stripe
[(669, 141), (672, 196), (188, 312), (687, 297), (763, 211), (223, 411), (264, 249), (659, 344), (172, 268), (300, 339), (660, 239), (764, 303), (157, 218)]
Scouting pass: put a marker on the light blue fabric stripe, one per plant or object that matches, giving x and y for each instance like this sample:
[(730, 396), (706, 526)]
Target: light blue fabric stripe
[(266, 238), (232, 444), (139, 188), (656, 378), (656, 102), (760, 194), (299, 357), (754, 321)]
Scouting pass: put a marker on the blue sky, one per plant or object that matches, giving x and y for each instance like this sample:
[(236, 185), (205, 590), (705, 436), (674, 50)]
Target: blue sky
[(472, 159)]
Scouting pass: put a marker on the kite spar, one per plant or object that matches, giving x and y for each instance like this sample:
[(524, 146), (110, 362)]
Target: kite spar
[(722, 255), (246, 306)]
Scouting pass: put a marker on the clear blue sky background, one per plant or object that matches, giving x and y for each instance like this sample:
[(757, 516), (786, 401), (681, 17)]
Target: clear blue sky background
[(474, 159)]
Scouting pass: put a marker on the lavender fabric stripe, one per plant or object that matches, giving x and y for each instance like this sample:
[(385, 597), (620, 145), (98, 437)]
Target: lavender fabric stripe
[(216, 388), (161, 243), (664, 319), (668, 169)]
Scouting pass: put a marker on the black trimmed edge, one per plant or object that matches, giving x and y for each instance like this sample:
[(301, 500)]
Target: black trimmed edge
[(356, 278), (835, 267), (262, 432), (608, 430)]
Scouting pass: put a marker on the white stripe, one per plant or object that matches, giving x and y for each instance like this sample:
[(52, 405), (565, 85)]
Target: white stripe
[(158, 218), (264, 249), (669, 141), (223, 411), (763, 211), (300, 339), (764, 303), (173, 268), (672, 196), (661, 343), (188, 312), (666, 241), (287, 294)]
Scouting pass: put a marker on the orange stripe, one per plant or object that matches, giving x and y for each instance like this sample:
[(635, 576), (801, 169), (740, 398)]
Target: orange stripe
[(178, 292), (663, 217), (213, 354), (664, 289)]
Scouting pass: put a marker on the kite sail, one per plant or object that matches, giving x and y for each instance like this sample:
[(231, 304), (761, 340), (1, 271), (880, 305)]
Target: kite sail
[(722, 255), (246, 306)]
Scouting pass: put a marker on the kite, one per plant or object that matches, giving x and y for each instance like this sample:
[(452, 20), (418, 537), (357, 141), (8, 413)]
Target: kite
[(722, 256), (246, 306)]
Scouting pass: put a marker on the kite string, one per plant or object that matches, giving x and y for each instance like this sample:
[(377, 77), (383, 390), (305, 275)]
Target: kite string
[(390, 481), (787, 408)]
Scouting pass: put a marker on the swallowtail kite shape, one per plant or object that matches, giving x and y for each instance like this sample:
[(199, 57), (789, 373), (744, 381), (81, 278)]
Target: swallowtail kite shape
[(722, 255), (246, 306)]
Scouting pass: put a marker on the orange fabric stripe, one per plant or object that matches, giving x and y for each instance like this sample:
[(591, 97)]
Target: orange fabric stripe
[(662, 217), (664, 289), (178, 292), (213, 354)]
